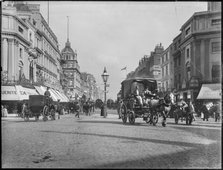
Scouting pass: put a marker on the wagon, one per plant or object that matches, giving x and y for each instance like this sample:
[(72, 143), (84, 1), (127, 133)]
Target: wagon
[(39, 105), (130, 108)]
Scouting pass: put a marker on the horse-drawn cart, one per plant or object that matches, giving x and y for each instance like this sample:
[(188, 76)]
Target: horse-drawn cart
[(130, 108), (39, 105)]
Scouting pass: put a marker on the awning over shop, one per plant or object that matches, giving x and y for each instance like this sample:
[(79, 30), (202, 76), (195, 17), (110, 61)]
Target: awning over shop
[(62, 99), (39, 90), (53, 95), (24, 92), (9, 93), (16, 93), (210, 91), (65, 97)]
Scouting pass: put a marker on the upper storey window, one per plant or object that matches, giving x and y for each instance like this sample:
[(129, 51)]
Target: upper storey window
[(216, 21), (187, 31), (215, 46), (20, 29)]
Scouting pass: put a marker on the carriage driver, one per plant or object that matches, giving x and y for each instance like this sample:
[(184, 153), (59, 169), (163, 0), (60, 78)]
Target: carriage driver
[(48, 94), (138, 97)]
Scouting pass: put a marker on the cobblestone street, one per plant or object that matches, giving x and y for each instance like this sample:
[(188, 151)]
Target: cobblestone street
[(97, 142)]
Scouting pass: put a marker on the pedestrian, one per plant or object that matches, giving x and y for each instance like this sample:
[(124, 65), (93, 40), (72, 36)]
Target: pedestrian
[(205, 112), (58, 108), (5, 111), (2, 109), (192, 110), (77, 109)]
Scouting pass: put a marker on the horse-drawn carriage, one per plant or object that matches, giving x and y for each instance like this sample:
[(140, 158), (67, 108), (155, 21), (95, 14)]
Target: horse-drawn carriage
[(130, 107), (40, 105)]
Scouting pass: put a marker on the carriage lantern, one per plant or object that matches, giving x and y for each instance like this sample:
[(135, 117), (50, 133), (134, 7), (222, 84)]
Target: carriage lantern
[(105, 79)]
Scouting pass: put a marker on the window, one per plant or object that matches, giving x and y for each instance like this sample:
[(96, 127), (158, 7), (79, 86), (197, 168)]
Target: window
[(216, 73), (31, 71), (187, 32), (166, 85), (175, 62), (179, 79), (175, 46), (179, 61), (20, 53), (215, 46), (71, 83), (20, 30), (162, 71), (216, 21), (188, 53), (167, 56), (167, 70), (30, 37)]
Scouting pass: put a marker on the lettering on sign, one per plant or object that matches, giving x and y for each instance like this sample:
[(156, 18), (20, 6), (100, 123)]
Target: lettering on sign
[(9, 92), (22, 92)]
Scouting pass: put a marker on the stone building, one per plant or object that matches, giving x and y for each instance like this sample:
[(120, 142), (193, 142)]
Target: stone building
[(36, 56), (166, 64), (71, 69), (199, 51)]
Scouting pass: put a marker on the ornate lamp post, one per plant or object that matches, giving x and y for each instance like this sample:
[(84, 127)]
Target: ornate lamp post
[(105, 79)]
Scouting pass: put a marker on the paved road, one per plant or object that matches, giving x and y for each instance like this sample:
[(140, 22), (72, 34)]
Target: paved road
[(97, 142)]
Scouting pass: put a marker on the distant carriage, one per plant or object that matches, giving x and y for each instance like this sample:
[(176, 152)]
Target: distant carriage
[(40, 105)]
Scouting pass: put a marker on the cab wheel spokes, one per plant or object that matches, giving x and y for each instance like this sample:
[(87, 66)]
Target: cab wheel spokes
[(124, 113), (131, 117)]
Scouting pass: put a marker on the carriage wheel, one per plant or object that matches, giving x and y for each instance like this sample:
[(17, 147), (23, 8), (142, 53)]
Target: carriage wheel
[(155, 118), (148, 118), (124, 113), (131, 117)]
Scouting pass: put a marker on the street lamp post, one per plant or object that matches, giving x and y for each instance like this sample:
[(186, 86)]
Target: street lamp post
[(105, 79)]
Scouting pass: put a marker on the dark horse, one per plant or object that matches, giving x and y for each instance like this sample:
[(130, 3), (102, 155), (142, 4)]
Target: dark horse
[(162, 106)]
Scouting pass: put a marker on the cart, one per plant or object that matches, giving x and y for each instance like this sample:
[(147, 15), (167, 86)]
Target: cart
[(130, 109)]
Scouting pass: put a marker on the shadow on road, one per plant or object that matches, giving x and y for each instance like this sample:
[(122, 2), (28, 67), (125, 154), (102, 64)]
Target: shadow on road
[(167, 142), (184, 159), (192, 125), (107, 121)]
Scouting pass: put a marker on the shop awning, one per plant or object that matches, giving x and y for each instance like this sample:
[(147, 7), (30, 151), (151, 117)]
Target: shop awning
[(9, 93), (53, 95), (62, 99), (65, 97), (24, 92), (39, 90), (210, 91)]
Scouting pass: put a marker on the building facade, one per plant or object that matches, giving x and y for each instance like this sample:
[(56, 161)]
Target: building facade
[(71, 69), (199, 51), (30, 48), (167, 73)]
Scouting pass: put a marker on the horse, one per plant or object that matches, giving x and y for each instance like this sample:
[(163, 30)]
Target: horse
[(162, 106)]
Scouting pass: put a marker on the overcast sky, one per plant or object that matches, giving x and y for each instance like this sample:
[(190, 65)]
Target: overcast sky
[(116, 34)]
